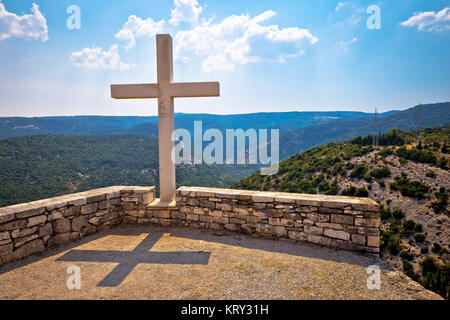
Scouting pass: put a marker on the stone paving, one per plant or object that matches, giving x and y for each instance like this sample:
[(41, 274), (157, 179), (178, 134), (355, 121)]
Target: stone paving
[(154, 262)]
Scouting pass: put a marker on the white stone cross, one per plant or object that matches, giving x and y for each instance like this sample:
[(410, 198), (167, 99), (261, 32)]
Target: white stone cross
[(165, 90)]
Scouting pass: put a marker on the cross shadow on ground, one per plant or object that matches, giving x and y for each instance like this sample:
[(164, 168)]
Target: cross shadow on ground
[(128, 260)]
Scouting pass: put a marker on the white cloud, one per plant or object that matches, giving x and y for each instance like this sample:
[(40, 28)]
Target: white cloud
[(218, 62), (283, 58), (348, 13), (97, 58), (185, 10), (27, 26), (344, 45), (430, 20), (223, 45), (342, 5), (136, 27), (237, 39)]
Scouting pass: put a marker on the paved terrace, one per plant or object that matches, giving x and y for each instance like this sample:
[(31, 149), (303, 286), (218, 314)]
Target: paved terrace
[(154, 262)]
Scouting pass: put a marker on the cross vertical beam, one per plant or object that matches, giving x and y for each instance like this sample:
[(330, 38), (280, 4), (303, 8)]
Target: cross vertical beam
[(164, 58), (167, 184)]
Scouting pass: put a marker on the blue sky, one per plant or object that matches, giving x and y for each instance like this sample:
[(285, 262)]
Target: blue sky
[(268, 55)]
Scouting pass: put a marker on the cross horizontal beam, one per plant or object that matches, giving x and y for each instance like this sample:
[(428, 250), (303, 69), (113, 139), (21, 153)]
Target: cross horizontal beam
[(175, 90), (134, 91), (194, 89), (130, 257)]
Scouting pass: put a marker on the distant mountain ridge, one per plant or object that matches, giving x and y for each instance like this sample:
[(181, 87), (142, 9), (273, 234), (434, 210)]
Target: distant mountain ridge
[(301, 139), (106, 125), (299, 131)]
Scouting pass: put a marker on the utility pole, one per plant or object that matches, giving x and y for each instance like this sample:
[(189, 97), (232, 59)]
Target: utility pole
[(418, 115), (375, 127)]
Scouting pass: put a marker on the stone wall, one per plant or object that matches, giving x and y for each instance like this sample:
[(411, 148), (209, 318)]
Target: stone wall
[(32, 227), (345, 223)]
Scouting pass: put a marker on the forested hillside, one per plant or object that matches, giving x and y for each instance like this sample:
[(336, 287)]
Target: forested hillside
[(43, 166)]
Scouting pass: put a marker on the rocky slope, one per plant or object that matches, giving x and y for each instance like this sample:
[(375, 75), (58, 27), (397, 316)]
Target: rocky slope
[(408, 176)]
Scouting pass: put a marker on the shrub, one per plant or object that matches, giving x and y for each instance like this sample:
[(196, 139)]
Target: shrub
[(406, 255), (324, 186), (428, 265), (442, 200), (379, 173), (385, 152), (436, 277), (358, 172), (394, 245), (408, 188), (443, 163), (409, 225), (385, 214), (353, 192), (394, 226), (431, 174), (317, 180), (424, 250), (398, 213), (409, 271), (436, 248), (420, 237), (333, 187), (391, 241), (349, 191), (361, 192), (392, 137), (419, 227), (417, 155), (367, 177)]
